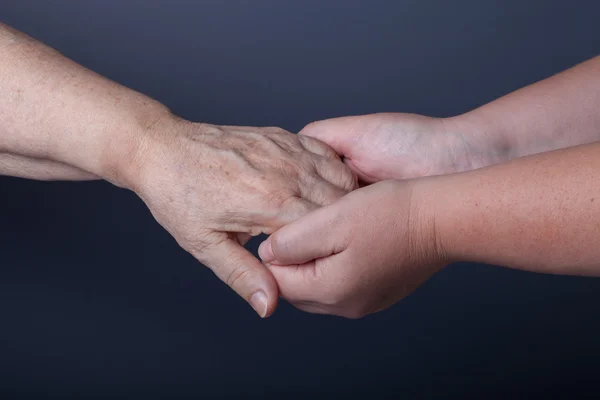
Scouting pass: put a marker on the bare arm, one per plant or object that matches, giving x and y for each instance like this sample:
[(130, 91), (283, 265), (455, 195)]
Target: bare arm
[(539, 213), (555, 113), (59, 112), (522, 204), (558, 112), (40, 169), (212, 187), (376, 245), (18, 165)]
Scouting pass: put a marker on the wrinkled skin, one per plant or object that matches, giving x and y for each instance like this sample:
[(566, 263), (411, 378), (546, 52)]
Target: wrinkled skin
[(214, 187), (354, 257)]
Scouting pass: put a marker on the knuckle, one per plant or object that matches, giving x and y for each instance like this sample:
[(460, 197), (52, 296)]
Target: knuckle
[(307, 163), (277, 130), (324, 149), (287, 167), (238, 276), (344, 177), (200, 246), (277, 198), (349, 180)]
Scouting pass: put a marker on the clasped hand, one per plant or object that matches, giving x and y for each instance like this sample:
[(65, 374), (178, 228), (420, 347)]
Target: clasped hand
[(331, 251), (214, 187), (377, 244)]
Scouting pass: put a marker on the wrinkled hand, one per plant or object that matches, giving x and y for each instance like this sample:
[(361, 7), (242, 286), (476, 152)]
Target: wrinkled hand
[(213, 187), (398, 146), (356, 256)]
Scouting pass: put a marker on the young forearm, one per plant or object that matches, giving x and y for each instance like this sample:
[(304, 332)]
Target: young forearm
[(56, 110), (539, 213), (558, 112)]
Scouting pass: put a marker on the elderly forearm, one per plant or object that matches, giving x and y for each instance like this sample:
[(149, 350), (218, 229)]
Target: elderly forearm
[(558, 112), (40, 169), (539, 213), (57, 110)]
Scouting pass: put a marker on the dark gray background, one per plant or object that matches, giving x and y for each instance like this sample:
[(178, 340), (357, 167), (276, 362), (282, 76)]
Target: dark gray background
[(96, 298)]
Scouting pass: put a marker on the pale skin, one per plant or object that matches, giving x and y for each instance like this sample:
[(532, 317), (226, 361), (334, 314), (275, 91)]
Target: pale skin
[(515, 183), (212, 187)]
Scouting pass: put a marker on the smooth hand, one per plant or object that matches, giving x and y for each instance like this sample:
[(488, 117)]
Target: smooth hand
[(357, 256), (403, 146), (213, 187)]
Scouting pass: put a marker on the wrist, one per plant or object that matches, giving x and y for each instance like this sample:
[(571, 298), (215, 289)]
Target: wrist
[(424, 235), (127, 155), (478, 142), (452, 206)]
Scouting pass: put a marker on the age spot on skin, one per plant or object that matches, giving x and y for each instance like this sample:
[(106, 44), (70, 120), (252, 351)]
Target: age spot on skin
[(592, 200)]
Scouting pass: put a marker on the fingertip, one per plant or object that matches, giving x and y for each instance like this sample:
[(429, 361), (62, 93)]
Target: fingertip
[(311, 129), (265, 251), (318, 147), (338, 133), (244, 273), (264, 305), (270, 289)]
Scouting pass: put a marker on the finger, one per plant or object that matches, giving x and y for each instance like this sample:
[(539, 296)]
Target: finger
[(262, 129), (318, 147), (311, 283), (243, 238), (341, 134), (297, 283), (311, 237), (363, 179), (319, 191), (337, 173), (244, 273), (293, 209)]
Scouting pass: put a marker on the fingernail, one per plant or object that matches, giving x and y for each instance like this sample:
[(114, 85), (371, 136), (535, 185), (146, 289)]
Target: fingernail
[(265, 252), (258, 301)]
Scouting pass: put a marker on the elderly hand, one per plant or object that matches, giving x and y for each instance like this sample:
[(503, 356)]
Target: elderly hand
[(356, 256), (213, 187)]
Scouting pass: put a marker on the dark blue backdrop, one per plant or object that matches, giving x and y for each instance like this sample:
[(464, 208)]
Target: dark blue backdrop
[(95, 296)]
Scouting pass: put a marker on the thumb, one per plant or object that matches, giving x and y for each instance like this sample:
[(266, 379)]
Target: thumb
[(244, 273), (341, 134), (304, 240)]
